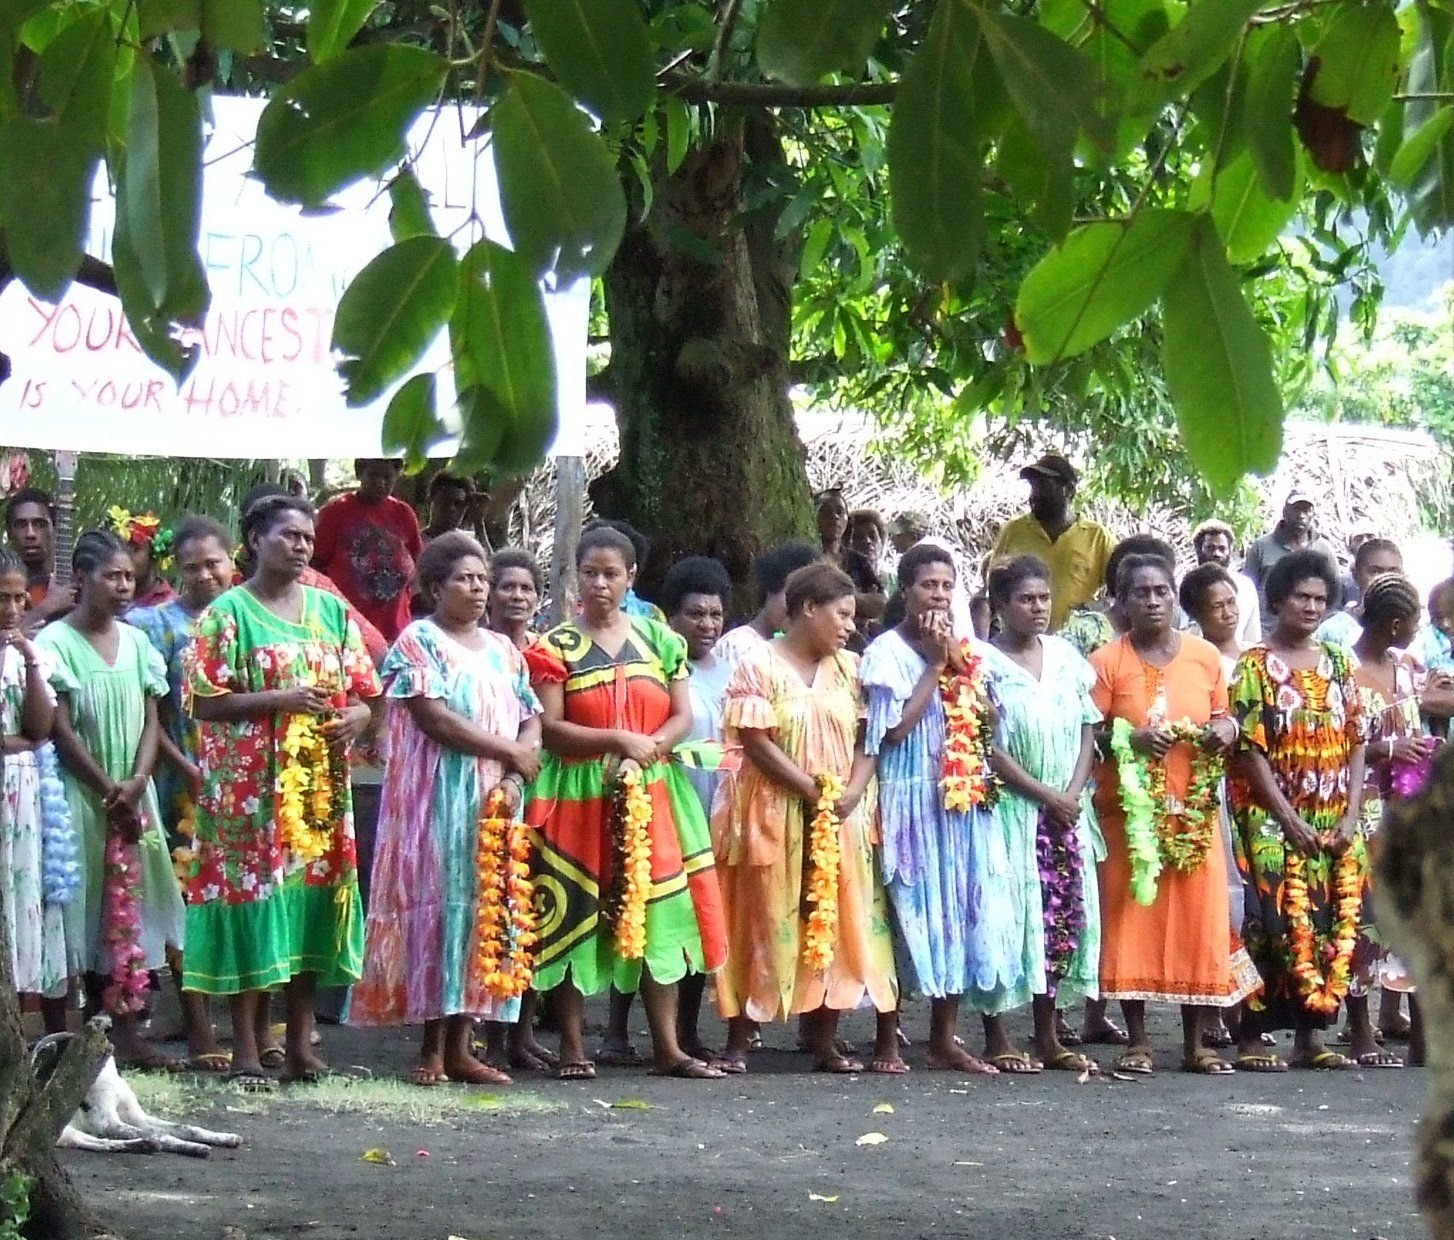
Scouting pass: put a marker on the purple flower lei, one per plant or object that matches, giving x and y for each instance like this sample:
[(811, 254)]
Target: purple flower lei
[(1061, 867)]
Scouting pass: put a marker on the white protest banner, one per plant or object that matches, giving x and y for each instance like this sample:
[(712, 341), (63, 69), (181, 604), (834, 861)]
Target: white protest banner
[(265, 385)]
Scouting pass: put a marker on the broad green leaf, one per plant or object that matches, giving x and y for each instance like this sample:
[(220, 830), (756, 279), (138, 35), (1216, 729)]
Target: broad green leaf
[(1101, 278), (1419, 147), (935, 146), (1050, 83), (678, 133), (15, 13), (1219, 367), (46, 174), (1431, 190), (391, 312), (563, 203), (158, 17), (815, 246), (684, 28), (1049, 184), (160, 187), (1358, 60), (1276, 64), (411, 426), (76, 70), (234, 24), (1247, 216), (332, 25), (601, 50), (801, 40), (409, 208), (1189, 53), (152, 329), (344, 119), (504, 364)]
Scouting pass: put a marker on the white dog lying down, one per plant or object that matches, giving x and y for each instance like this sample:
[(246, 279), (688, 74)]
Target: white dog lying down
[(111, 1120)]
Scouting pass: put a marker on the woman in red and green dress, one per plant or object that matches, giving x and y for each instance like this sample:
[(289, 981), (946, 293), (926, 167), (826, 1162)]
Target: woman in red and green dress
[(1296, 792), (272, 905), (614, 692)]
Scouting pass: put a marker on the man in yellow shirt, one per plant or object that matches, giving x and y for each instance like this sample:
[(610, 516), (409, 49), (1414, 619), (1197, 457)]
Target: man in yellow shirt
[(1076, 550)]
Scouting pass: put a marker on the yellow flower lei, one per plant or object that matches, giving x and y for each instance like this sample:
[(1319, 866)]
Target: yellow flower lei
[(1322, 994), (1159, 830), (631, 885), (505, 913), (966, 779), (184, 854), (305, 791), (824, 859)]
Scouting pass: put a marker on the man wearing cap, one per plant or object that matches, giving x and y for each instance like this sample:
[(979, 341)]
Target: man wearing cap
[(1074, 549), (1294, 532)]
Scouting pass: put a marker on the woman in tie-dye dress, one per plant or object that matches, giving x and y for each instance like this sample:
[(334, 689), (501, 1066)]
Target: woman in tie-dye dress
[(463, 722)]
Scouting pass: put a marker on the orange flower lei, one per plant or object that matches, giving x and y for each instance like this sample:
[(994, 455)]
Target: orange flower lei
[(966, 779), (631, 887), (505, 912), (183, 854), (1322, 993), (306, 802), (824, 859)]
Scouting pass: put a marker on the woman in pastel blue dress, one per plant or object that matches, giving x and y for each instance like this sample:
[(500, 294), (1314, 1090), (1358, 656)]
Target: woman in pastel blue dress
[(945, 880), (1044, 756), (463, 721)]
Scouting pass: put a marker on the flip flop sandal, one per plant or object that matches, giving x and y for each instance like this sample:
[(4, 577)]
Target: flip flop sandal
[(427, 1078), (690, 1069), (1207, 1064), (488, 1075), (730, 1065), (575, 1070), (620, 1057), (1260, 1063), (1017, 1063), (889, 1067), (1071, 1061), (249, 1082), (1380, 1059), (210, 1061), (272, 1057), (1111, 1035), (1324, 1061), (838, 1065), (1136, 1063)]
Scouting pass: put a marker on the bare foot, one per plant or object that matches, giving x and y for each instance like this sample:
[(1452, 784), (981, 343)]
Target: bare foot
[(957, 1059), (470, 1071)]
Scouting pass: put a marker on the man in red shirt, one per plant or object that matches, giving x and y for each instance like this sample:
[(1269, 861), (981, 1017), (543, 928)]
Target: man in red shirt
[(367, 542)]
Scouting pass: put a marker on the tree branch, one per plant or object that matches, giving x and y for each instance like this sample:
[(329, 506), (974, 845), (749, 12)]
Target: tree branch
[(692, 89), (724, 37)]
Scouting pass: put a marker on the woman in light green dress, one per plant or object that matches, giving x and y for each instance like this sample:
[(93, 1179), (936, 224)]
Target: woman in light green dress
[(107, 679)]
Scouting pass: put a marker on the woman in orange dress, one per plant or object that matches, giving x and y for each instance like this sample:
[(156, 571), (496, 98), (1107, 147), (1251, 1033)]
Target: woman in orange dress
[(1152, 684), (795, 706)]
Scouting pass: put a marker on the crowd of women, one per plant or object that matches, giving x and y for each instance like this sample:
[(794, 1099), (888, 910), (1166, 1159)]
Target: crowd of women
[(636, 801)]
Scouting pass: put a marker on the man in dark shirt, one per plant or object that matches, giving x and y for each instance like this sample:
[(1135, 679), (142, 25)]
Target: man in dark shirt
[(1294, 532)]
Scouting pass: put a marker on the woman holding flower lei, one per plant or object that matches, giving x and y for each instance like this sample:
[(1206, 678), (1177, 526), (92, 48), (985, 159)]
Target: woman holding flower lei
[(794, 837), (1164, 697), (280, 682), (27, 710), (931, 727), (625, 891), (1044, 754), (444, 939), (107, 680), (1297, 793)]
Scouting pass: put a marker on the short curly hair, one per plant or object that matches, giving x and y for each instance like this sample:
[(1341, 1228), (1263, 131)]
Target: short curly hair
[(1299, 566)]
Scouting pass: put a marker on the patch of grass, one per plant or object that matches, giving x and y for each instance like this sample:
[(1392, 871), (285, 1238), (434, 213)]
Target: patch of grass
[(182, 1097)]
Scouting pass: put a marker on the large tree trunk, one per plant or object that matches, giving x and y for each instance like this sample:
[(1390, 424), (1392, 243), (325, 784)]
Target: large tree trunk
[(699, 298)]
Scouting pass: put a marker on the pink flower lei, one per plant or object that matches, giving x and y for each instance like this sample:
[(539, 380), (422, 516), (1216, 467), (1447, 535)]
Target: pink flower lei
[(126, 992)]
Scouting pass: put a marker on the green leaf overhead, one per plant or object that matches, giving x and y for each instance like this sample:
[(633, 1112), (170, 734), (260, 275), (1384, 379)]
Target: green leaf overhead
[(1050, 83), (503, 358), (234, 24), (391, 312), (559, 188), (1101, 278), (935, 146), (45, 200), (409, 208), (1276, 64), (332, 25), (801, 40), (601, 50), (1247, 217), (411, 426), (1191, 51), (1357, 60), (1219, 367), (1416, 150), (1430, 186), (344, 119), (76, 71), (160, 189)]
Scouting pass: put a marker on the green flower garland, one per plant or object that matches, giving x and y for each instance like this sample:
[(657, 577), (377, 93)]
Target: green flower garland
[(1140, 809)]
